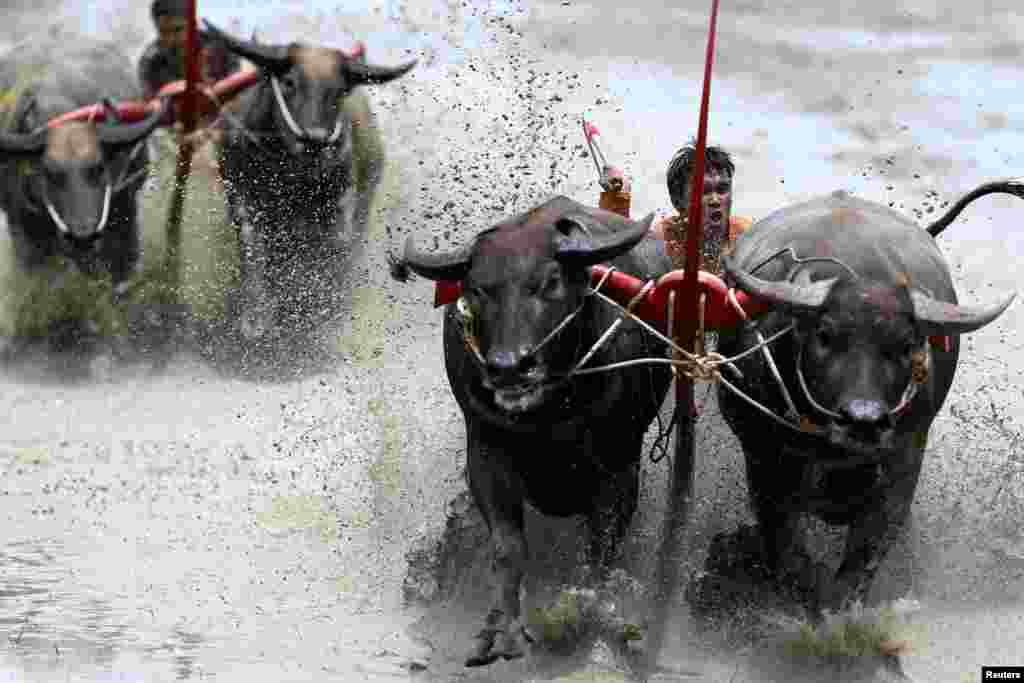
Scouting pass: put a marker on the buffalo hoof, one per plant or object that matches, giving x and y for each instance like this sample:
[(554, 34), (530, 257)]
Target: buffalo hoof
[(494, 643), (805, 579)]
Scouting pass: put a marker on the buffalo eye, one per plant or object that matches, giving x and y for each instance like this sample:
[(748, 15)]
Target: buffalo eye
[(289, 84), (551, 286), (826, 336)]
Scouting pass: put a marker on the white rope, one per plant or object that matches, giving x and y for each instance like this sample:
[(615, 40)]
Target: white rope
[(295, 127), (769, 359), (63, 227), (284, 108)]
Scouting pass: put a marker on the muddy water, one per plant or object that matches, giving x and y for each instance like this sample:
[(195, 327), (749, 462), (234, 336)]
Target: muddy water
[(197, 524)]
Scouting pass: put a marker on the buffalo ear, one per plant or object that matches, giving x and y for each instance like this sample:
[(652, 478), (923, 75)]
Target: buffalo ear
[(448, 266), (579, 247)]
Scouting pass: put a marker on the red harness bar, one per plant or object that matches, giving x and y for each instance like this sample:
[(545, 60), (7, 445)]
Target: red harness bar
[(653, 308), (719, 314), (130, 112)]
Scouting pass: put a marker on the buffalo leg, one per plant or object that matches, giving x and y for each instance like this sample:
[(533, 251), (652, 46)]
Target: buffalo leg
[(612, 513), (500, 500), (255, 306), (868, 542), (783, 552), (613, 508)]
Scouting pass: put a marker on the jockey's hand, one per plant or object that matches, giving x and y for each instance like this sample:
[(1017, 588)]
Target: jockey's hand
[(613, 179)]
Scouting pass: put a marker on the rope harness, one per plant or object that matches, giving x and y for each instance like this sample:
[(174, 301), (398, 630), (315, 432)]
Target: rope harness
[(704, 366), (122, 182)]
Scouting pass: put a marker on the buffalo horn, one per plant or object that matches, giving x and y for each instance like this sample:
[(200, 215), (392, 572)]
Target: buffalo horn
[(583, 249), (943, 318), (361, 73), (22, 144), (801, 294), (119, 134), (273, 58), (448, 266)]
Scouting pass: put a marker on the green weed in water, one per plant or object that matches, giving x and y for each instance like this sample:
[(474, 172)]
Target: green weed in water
[(862, 633), (296, 513), (559, 622)]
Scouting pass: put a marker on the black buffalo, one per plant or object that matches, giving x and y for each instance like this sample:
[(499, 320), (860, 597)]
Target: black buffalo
[(567, 445), (71, 190), (865, 288), (300, 164)]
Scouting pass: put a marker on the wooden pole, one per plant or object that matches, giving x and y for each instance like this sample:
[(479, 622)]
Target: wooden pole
[(685, 324), (183, 168)]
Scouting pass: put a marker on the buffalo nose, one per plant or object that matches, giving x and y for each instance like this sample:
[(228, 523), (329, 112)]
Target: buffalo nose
[(864, 412), (505, 367)]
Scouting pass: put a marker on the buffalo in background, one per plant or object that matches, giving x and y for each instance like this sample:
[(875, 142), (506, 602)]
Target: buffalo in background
[(301, 162), (72, 190)]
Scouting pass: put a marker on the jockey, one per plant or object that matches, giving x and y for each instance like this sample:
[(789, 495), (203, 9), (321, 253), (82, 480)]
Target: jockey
[(721, 228), (163, 61)]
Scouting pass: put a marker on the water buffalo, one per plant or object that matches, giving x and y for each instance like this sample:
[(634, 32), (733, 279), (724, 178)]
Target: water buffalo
[(567, 444), (872, 355), (300, 164), (72, 190)]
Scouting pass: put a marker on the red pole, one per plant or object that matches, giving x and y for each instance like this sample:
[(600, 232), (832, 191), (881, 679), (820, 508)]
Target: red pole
[(184, 162), (688, 304), (685, 312)]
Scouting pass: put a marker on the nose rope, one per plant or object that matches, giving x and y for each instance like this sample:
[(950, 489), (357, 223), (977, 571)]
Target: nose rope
[(920, 364), (62, 226), (704, 367), (296, 129), (809, 259)]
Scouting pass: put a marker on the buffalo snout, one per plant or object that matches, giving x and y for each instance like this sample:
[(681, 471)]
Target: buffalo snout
[(507, 368), (864, 412)]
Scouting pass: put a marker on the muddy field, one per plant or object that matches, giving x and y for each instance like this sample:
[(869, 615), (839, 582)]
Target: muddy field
[(208, 521)]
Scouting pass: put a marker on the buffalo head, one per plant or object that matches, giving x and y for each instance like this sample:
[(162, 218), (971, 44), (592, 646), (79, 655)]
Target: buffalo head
[(861, 347), (524, 280), (73, 169), (309, 85)]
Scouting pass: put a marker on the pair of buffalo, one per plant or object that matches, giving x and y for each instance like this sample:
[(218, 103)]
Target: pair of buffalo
[(291, 170), (868, 295)]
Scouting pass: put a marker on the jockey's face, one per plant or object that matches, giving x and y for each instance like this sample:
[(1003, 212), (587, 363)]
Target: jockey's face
[(171, 32), (716, 199)]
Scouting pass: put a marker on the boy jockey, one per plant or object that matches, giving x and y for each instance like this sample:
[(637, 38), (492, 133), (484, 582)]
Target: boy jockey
[(721, 228), (163, 61)]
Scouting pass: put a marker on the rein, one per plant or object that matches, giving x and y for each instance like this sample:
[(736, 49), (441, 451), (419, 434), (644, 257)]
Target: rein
[(112, 188), (704, 366)]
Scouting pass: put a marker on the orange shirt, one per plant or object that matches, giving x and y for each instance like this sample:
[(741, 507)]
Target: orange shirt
[(710, 260)]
